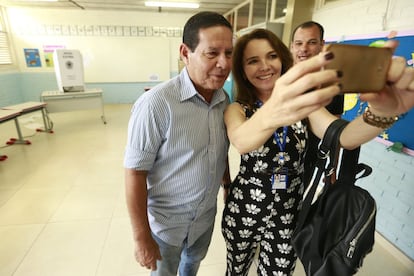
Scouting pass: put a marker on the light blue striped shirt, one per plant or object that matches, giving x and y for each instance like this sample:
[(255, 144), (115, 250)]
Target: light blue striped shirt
[(180, 139)]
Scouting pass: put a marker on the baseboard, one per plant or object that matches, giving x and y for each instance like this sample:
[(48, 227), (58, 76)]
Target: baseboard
[(404, 259)]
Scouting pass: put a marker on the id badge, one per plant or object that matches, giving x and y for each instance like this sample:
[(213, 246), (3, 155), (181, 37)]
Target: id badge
[(280, 180)]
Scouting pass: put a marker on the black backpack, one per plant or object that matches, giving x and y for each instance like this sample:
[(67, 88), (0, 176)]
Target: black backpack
[(334, 234)]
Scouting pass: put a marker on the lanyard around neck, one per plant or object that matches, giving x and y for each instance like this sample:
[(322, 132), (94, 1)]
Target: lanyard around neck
[(281, 143)]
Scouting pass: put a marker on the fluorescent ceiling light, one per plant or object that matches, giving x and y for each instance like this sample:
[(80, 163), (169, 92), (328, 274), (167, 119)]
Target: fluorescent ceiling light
[(172, 4), (35, 0)]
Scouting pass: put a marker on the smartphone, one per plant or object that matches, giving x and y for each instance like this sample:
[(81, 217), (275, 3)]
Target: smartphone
[(364, 68)]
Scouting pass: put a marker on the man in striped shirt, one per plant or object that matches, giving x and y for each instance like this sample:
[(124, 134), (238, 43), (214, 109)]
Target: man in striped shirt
[(176, 153)]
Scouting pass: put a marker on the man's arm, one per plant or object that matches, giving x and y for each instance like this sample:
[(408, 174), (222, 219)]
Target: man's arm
[(146, 249)]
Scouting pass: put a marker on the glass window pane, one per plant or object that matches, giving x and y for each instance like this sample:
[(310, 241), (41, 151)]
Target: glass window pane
[(280, 8), (260, 8), (243, 17)]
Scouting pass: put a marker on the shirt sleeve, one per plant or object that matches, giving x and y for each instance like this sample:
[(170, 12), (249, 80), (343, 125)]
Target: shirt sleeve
[(144, 136)]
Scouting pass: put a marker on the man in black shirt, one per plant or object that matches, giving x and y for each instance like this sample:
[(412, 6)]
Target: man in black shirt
[(307, 41)]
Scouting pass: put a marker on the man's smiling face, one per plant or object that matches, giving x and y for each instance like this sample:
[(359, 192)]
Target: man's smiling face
[(306, 43)]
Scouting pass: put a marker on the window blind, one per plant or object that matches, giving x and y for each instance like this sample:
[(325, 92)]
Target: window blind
[(5, 57)]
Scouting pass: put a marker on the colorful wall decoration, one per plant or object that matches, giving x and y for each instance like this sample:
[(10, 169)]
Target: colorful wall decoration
[(403, 130), (32, 57)]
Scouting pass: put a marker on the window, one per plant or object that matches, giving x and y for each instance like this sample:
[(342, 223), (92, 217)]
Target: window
[(5, 56), (255, 12), (243, 14)]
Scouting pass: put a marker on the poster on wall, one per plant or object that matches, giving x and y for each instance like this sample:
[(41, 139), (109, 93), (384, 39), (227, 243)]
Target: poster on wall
[(32, 57), (402, 131), (48, 53)]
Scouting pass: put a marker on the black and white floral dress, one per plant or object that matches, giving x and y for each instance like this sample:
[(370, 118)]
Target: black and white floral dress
[(257, 216)]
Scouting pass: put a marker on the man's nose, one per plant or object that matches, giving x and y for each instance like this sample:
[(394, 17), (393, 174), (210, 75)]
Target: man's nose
[(223, 61)]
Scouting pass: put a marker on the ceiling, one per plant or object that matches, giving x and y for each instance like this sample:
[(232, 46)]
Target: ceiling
[(222, 6)]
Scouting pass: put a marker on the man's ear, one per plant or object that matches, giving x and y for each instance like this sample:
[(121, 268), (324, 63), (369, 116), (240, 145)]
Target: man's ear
[(184, 53)]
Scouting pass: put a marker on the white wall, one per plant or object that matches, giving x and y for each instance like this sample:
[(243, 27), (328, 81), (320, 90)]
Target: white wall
[(107, 58), (354, 17)]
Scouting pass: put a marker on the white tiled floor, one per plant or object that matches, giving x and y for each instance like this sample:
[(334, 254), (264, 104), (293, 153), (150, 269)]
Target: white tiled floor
[(62, 209)]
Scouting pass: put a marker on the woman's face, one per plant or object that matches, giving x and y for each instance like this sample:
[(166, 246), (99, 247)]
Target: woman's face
[(261, 65)]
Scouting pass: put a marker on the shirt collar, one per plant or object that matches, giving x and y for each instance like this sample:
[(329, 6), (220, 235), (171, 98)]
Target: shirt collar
[(188, 90)]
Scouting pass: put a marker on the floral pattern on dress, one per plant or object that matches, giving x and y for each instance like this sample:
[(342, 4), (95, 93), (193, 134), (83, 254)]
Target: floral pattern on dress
[(259, 217)]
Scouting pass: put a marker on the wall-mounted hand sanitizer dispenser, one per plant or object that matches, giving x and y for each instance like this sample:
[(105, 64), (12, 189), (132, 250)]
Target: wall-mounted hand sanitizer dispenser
[(69, 70)]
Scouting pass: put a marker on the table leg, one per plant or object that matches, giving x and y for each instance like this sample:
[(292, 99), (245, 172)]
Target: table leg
[(103, 111), (20, 139), (46, 122)]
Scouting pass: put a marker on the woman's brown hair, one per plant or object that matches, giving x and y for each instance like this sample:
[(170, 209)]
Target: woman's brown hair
[(245, 91)]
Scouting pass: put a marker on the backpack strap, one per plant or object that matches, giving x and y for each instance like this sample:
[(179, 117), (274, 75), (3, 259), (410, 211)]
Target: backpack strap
[(350, 170), (328, 148), (332, 146)]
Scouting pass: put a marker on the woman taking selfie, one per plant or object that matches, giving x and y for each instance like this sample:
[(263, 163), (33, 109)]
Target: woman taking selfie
[(276, 106)]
